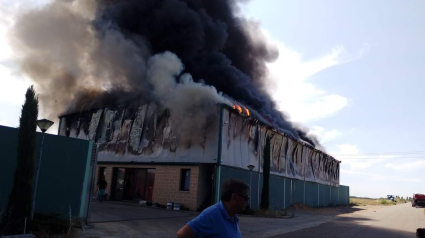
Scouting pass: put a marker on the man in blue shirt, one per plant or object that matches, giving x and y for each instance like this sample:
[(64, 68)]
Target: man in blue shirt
[(220, 220)]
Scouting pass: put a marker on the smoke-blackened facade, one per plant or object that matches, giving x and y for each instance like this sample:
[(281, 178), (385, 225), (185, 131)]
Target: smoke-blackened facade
[(150, 133), (243, 142)]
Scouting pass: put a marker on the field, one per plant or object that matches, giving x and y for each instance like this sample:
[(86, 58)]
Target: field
[(370, 201), (400, 200)]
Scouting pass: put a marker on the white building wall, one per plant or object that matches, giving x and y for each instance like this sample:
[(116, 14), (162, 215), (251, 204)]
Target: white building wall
[(243, 142)]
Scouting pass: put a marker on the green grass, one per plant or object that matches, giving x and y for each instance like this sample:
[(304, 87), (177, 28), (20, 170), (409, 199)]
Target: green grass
[(383, 201)]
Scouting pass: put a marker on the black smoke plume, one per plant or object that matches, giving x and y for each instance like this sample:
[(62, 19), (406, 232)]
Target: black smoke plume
[(216, 46)]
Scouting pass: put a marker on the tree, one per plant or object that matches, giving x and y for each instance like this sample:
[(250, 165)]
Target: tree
[(265, 193), (19, 204)]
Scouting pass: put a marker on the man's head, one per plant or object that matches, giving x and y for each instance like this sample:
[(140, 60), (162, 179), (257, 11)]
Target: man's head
[(235, 193)]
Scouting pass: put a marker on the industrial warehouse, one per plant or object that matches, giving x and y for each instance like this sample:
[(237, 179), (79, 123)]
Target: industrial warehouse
[(153, 154)]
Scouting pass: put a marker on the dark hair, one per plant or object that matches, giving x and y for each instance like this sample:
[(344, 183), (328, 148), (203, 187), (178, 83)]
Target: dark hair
[(232, 186)]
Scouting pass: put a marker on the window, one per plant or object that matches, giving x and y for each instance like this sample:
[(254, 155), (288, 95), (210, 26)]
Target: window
[(185, 180), (133, 184)]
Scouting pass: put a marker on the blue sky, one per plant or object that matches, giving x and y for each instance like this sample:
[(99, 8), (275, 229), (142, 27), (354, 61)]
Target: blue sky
[(374, 82), (351, 71)]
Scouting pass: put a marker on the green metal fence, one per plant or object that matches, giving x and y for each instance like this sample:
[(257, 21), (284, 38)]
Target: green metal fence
[(285, 192), (64, 173)]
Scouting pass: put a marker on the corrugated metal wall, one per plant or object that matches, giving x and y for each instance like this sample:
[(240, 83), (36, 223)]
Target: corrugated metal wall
[(243, 141), (148, 133), (285, 192), (311, 198)]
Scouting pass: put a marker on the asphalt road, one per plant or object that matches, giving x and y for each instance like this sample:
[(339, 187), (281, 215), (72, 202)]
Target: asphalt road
[(113, 219), (391, 221)]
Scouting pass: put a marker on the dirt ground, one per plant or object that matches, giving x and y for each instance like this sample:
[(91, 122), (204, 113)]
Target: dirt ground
[(332, 211), (113, 219), (126, 220), (366, 221)]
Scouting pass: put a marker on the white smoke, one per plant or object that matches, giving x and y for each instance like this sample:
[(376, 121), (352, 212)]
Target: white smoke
[(183, 96), (66, 58), (59, 49)]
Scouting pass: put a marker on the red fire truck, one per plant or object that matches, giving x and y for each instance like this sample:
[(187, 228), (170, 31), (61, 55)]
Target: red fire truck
[(418, 200)]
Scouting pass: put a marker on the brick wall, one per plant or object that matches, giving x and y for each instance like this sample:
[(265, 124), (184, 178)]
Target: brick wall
[(167, 183), (167, 186)]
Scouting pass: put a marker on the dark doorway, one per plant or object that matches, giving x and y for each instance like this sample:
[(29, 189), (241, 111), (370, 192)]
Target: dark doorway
[(118, 184), (206, 186), (133, 184), (101, 173)]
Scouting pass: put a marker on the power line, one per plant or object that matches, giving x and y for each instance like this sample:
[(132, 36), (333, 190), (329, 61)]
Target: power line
[(381, 156), (366, 158), (387, 153)]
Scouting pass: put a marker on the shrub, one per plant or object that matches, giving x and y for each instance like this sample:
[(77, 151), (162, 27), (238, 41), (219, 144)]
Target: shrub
[(47, 225)]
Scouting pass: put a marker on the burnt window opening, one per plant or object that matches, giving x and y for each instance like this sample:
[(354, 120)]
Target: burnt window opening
[(185, 180), (294, 154)]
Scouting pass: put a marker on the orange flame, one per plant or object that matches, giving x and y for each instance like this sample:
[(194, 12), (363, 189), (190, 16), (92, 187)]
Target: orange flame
[(241, 110), (248, 113)]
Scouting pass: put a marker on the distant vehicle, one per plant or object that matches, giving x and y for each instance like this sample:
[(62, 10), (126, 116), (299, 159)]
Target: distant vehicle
[(391, 197), (418, 200)]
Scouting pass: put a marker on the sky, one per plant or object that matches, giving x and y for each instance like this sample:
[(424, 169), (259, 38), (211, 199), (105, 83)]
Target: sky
[(350, 71)]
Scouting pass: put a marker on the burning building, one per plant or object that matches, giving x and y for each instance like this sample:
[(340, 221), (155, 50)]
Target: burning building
[(147, 153), (174, 94)]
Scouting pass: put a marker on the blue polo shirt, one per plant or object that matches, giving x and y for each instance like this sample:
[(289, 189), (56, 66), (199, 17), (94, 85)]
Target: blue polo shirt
[(215, 222)]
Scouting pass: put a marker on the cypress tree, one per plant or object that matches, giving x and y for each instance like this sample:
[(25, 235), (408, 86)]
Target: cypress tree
[(19, 204), (265, 193)]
